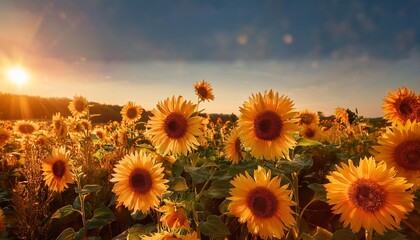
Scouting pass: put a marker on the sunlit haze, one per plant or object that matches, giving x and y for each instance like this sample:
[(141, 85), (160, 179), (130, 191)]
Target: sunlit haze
[(320, 54)]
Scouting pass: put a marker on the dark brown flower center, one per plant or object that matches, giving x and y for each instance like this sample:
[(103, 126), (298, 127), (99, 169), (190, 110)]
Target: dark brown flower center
[(262, 202), (367, 194), (59, 168), (309, 133), (267, 125), (140, 181), (79, 105), (132, 113), (202, 91), (26, 128), (175, 125), (238, 148), (405, 108), (407, 155), (3, 137)]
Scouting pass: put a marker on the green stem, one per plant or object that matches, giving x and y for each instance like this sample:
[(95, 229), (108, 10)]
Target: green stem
[(368, 234), (295, 188)]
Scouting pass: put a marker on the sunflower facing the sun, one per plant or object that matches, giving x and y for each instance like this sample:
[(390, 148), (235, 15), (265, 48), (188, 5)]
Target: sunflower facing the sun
[(173, 129), (204, 90), (131, 112), (369, 196), (57, 171), (400, 148), (139, 182), (79, 106), (265, 125), (26, 127), (262, 204), (401, 105)]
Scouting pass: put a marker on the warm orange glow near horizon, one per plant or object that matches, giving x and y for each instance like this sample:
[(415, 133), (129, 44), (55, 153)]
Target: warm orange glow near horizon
[(18, 75)]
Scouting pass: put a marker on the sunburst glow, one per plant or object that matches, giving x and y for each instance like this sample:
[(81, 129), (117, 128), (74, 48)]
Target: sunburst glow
[(18, 75)]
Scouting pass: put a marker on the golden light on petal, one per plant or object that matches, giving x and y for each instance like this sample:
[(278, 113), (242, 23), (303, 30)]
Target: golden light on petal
[(78, 106), (174, 216), (4, 136), (26, 127), (262, 203), (57, 170), (131, 112), (173, 129), (265, 125), (139, 182), (307, 117), (400, 148), (233, 147), (17, 75), (369, 196)]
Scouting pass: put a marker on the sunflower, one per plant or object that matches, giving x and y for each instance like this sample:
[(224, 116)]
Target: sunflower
[(79, 106), (369, 196), (138, 182), (307, 117), (174, 216), (59, 126), (204, 91), (400, 148), (401, 105), (262, 203), (233, 148), (311, 132), (173, 129), (131, 112), (4, 136), (2, 221), (265, 125), (57, 171), (26, 127), (171, 235), (341, 115), (101, 133)]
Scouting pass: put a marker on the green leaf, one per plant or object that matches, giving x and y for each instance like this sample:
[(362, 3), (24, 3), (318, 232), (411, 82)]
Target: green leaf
[(138, 216), (242, 167), (390, 235), (76, 205), (79, 235), (306, 236), (308, 142), (64, 211), (223, 207), (67, 234), (320, 193), (344, 234), (101, 217), (296, 165), (88, 188), (218, 189), (214, 227), (198, 174), (178, 184)]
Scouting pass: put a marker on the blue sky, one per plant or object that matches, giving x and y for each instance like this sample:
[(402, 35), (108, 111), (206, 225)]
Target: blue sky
[(322, 54)]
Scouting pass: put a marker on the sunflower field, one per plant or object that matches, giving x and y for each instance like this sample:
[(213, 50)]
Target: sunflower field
[(272, 172)]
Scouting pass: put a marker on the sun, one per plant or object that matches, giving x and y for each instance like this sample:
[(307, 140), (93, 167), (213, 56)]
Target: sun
[(17, 75)]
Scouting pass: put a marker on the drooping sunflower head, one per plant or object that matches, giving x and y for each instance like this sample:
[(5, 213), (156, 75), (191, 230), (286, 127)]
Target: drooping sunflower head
[(204, 90), (174, 216), (26, 127), (307, 117), (262, 203), (400, 148), (139, 182), (174, 128), (372, 193), (78, 106), (131, 112), (401, 105), (57, 170), (5, 136), (312, 132), (233, 147), (341, 115), (265, 125)]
